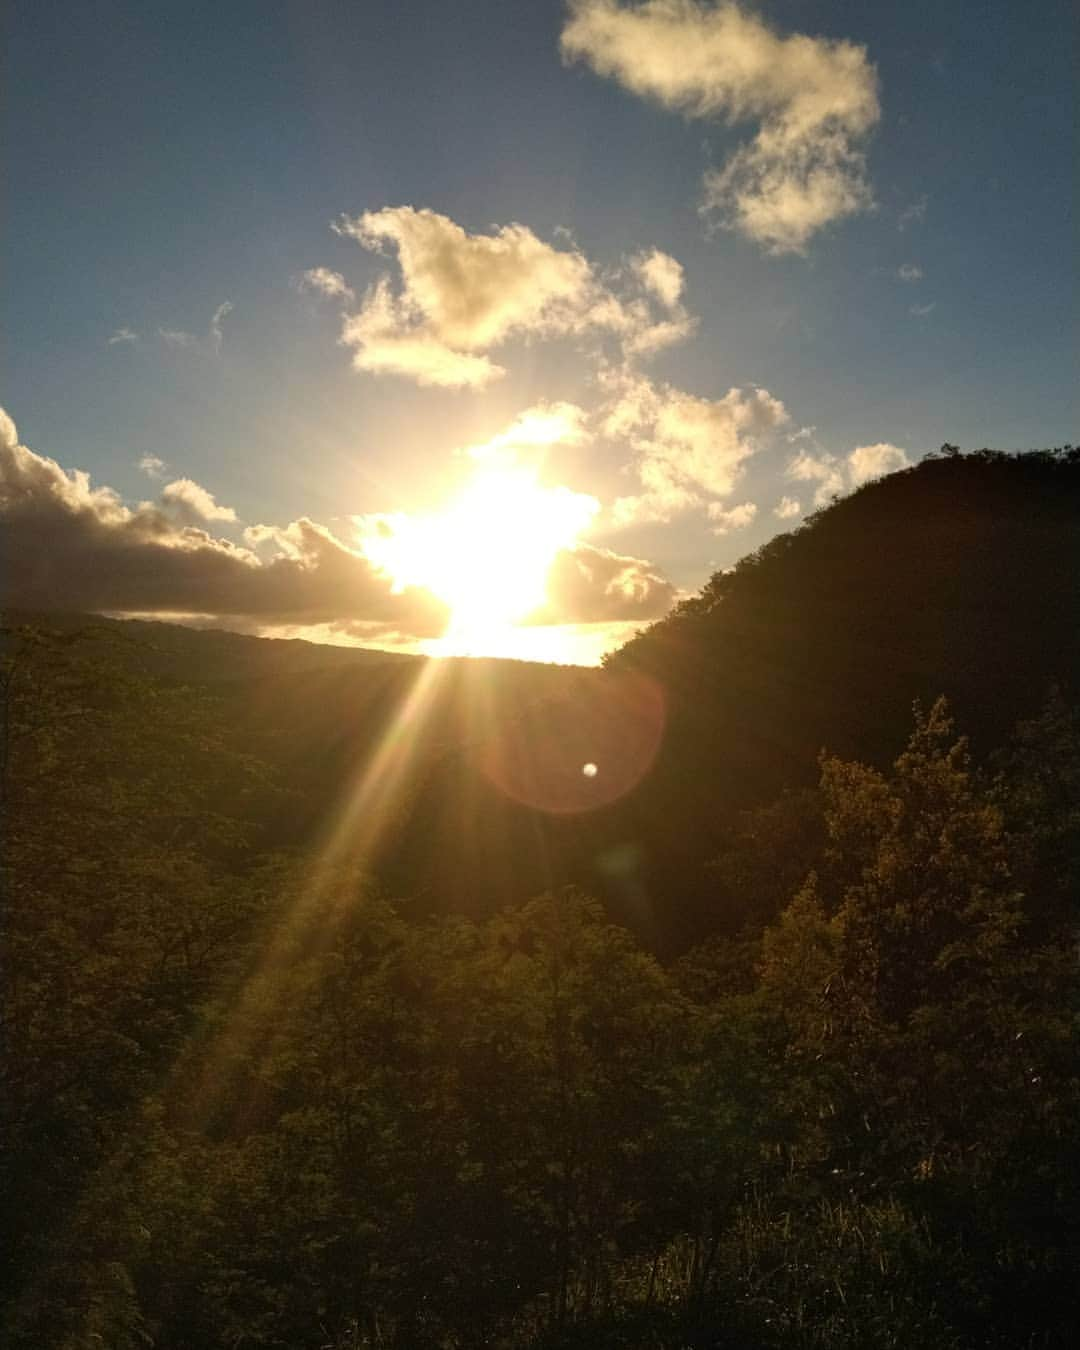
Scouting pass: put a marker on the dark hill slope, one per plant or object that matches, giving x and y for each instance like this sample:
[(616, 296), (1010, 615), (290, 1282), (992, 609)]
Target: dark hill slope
[(960, 576), (205, 655), (326, 719), (384, 729)]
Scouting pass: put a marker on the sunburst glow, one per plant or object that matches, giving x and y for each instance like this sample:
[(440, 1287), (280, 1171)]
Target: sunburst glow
[(487, 555)]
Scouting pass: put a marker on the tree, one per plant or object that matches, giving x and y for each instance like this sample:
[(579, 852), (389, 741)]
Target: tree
[(936, 1017), (127, 812)]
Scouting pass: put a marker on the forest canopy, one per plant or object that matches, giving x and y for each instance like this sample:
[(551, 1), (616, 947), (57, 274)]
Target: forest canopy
[(779, 1049)]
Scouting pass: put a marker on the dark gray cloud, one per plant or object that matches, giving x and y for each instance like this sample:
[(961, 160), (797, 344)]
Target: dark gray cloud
[(65, 544), (593, 585)]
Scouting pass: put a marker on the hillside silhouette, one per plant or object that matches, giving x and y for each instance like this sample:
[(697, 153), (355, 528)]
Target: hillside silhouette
[(958, 577), (364, 1000)]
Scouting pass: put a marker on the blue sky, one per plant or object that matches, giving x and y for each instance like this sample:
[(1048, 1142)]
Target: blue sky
[(166, 161)]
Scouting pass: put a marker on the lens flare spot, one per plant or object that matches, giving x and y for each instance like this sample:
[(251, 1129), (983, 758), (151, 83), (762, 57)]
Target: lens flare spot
[(536, 760)]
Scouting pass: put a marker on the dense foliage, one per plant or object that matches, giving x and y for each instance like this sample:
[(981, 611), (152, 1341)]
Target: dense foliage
[(249, 1098)]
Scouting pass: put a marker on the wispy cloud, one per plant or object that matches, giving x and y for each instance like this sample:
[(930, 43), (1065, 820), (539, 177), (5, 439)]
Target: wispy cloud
[(123, 337), (814, 101), (177, 337), (219, 316), (211, 341), (153, 466), (661, 274), (821, 470), (921, 311), (787, 508), (909, 272), (532, 433), (725, 519), (325, 282)]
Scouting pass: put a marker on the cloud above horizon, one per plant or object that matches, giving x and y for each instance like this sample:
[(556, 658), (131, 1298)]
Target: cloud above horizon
[(587, 584), (65, 544), (875, 461), (814, 102), (193, 503), (533, 432), (725, 519), (687, 450), (831, 475)]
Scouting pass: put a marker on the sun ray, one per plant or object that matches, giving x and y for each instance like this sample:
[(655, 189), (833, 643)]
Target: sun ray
[(366, 810), (487, 555)]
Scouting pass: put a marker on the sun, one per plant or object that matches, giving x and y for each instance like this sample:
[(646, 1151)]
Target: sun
[(487, 555)]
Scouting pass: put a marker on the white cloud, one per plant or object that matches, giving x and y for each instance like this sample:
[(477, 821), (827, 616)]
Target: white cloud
[(724, 520), (686, 449), (909, 272), (475, 290), (814, 101), (123, 336), (782, 199), (922, 311), (192, 502), (832, 475), (534, 431), (644, 338), (326, 282), (787, 508), (642, 333), (823, 470), (661, 274), (874, 461), (220, 314), (9, 436), (387, 340), (461, 296), (153, 466)]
